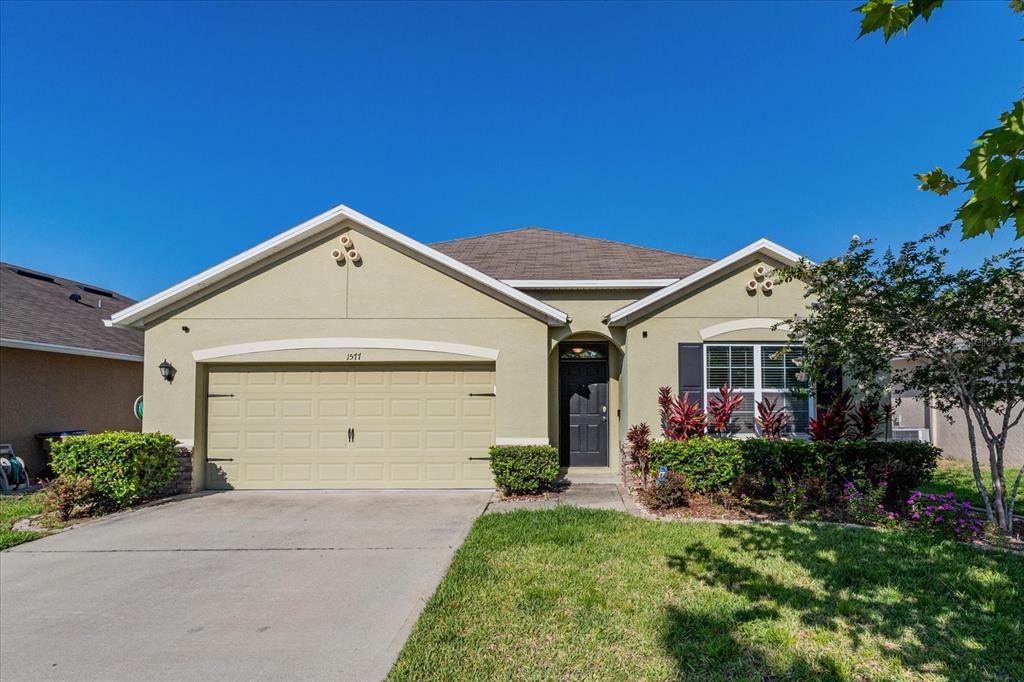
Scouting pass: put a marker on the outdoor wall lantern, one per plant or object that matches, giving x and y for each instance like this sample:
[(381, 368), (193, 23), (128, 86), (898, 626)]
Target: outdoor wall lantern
[(167, 370)]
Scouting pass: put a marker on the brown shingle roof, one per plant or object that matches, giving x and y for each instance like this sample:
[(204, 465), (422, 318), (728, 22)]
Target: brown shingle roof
[(538, 253), (36, 307)]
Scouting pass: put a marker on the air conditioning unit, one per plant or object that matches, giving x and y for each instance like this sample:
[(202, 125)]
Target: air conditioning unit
[(905, 433)]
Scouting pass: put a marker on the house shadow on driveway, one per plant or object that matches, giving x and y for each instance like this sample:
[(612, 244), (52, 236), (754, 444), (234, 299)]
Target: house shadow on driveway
[(815, 603)]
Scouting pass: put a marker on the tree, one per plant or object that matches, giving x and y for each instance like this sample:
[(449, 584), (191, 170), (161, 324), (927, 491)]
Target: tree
[(995, 165), (956, 337)]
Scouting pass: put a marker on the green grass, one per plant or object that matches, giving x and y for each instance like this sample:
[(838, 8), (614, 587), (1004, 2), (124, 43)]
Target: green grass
[(13, 508), (583, 594), (958, 477)]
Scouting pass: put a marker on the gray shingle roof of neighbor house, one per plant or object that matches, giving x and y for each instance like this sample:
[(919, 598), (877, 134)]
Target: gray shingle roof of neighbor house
[(41, 310), (541, 254)]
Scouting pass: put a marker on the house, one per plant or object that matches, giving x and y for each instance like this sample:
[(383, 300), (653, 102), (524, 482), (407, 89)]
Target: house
[(61, 368), (345, 354)]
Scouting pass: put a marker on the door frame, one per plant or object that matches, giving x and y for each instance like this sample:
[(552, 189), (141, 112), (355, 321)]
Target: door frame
[(603, 348)]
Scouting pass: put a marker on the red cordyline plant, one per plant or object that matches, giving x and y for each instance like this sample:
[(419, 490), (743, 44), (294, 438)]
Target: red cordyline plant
[(681, 418), (865, 420), (771, 420), (721, 408), (639, 439), (831, 422)]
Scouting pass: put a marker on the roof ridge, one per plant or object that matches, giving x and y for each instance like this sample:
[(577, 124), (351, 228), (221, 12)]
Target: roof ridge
[(577, 236), (62, 280), (488, 234)]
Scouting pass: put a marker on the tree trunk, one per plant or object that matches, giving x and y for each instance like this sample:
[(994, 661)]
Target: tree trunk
[(995, 463), (973, 440)]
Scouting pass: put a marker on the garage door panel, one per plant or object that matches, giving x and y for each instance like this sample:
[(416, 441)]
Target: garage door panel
[(413, 427)]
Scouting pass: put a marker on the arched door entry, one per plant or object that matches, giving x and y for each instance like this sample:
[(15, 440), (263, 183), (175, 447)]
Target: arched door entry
[(583, 404)]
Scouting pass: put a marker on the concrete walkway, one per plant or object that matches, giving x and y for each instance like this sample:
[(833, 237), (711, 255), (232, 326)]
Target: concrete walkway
[(310, 585), (588, 495)]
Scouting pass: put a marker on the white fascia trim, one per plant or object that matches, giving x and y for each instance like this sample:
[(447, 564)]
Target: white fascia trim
[(589, 283), (763, 246), (136, 315), (68, 350), (739, 325), (521, 441), (206, 354)]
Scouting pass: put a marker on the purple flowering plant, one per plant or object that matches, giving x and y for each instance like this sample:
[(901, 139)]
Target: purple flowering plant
[(944, 515)]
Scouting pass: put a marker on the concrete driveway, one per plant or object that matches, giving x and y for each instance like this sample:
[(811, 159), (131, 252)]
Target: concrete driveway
[(233, 586)]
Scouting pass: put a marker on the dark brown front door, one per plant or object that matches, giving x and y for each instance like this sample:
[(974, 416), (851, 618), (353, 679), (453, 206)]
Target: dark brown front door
[(583, 409)]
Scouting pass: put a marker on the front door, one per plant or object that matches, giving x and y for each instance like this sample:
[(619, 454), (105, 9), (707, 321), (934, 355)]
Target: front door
[(583, 405)]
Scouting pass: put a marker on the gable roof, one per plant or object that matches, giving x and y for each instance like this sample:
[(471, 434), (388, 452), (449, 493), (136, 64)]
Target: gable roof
[(536, 253), (38, 313), (298, 237), (639, 308)]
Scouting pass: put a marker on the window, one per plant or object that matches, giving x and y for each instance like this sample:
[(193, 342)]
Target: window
[(757, 372)]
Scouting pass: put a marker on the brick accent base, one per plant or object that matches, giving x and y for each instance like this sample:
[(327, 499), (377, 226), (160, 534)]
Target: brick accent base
[(182, 481)]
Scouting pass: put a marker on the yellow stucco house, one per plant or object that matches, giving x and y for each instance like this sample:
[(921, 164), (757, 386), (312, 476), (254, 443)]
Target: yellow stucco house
[(345, 354)]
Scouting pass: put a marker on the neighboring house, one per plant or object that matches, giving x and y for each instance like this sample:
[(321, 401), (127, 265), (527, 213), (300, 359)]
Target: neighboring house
[(916, 419), (342, 353), (61, 368)]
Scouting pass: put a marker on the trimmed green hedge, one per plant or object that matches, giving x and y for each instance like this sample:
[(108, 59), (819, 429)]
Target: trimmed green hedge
[(709, 464), (714, 464), (522, 469), (124, 466)]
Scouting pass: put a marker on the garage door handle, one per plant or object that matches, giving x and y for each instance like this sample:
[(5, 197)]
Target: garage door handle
[(220, 395), (351, 435), (483, 458), (482, 395), (220, 459)]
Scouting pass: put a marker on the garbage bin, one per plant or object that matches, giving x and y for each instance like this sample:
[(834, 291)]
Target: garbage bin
[(45, 439)]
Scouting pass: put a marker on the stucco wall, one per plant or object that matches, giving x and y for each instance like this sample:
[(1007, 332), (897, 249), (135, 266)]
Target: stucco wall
[(42, 392), (386, 295), (652, 362)]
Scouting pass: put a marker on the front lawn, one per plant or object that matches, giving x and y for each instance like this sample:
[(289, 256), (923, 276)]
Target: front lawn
[(14, 508), (587, 594), (957, 476)]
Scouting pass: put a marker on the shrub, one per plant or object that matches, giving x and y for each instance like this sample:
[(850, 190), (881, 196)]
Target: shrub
[(709, 464), (903, 465), (681, 418), (721, 408), (71, 498), (779, 459), (771, 419), (943, 515), (639, 439), (802, 499), (831, 423), (666, 493), (864, 504), (123, 466), (521, 469)]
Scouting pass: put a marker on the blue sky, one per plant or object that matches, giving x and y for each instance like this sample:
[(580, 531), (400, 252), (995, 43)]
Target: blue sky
[(142, 143)]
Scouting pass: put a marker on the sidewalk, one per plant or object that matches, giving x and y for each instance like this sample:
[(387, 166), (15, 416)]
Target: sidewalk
[(589, 495)]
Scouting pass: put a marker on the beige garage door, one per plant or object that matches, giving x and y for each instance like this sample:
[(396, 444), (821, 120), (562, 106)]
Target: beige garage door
[(371, 427)]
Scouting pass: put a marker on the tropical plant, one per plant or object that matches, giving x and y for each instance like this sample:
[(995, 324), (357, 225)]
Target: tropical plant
[(681, 418), (721, 408), (993, 166), (771, 420), (831, 422), (865, 420), (639, 439)]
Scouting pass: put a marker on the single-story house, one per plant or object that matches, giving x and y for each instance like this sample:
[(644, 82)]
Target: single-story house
[(345, 354), (61, 367)]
